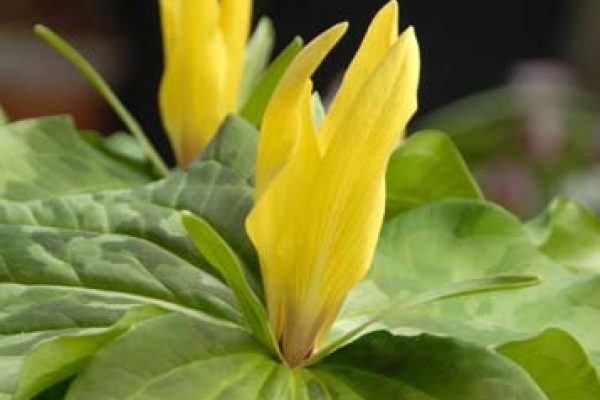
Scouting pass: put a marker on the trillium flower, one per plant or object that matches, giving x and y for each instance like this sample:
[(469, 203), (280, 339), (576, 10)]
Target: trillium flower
[(204, 43), (320, 191)]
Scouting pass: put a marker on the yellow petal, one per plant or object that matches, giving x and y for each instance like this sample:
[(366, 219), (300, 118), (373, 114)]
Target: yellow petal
[(349, 196), (287, 158), (169, 9), (319, 208), (285, 118), (235, 21), (204, 44), (381, 35)]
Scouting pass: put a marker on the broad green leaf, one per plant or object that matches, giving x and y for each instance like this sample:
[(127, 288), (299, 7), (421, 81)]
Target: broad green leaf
[(427, 167), (82, 261), (235, 148), (177, 357), (36, 322), (383, 366), (51, 361), (569, 234), (258, 53), (374, 317), (218, 253), (46, 157), (451, 241), (558, 364), (256, 105), (57, 392)]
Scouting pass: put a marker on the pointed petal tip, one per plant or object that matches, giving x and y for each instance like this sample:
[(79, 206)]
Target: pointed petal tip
[(392, 4), (340, 28)]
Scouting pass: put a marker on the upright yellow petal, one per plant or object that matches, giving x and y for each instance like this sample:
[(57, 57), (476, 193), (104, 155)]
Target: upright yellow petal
[(169, 9), (319, 208), (288, 158), (381, 35), (204, 43), (236, 16), (285, 118)]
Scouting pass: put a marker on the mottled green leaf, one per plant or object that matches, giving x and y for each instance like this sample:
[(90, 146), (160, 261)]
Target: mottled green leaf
[(373, 318), (257, 103), (558, 364), (258, 53), (82, 261), (427, 167), (235, 147), (52, 360), (46, 157), (569, 234), (37, 323), (383, 366), (176, 357), (451, 241)]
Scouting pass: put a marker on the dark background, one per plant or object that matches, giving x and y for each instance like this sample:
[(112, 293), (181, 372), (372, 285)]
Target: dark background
[(467, 46)]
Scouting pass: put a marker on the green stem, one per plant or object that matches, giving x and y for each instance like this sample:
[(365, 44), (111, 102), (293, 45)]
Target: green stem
[(105, 91)]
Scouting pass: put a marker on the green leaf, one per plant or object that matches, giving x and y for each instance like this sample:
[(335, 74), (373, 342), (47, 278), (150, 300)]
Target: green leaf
[(235, 147), (426, 168), (219, 255), (256, 105), (452, 241), (383, 366), (53, 360), (569, 234), (558, 364), (124, 146), (258, 53), (82, 261), (397, 307), (318, 109), (177, 357), (46, 157)]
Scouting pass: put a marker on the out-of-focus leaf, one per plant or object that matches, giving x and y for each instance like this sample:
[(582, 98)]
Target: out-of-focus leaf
[(558, 364), (258, 53), (569, 234), (452, 241), (318, 109), (427, 167)]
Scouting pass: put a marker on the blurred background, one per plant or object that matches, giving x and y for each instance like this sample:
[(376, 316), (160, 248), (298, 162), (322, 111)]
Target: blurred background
[(515, 83)]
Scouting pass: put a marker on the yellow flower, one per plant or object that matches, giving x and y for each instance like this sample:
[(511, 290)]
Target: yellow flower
[(320, 191), (204, 43)]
